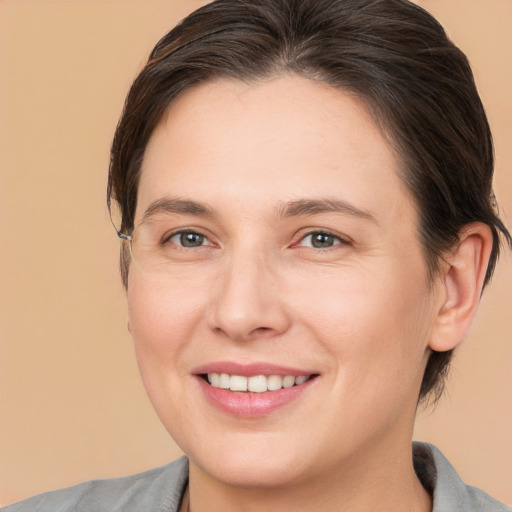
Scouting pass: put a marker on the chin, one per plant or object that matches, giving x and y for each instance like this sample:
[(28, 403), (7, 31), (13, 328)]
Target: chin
[(253, 474), (258, 464)]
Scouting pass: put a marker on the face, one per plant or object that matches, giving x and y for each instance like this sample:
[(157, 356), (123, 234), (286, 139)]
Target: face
[(278, 250)]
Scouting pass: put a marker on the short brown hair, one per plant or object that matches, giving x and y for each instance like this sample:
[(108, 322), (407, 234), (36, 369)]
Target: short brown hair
[(394, 55)]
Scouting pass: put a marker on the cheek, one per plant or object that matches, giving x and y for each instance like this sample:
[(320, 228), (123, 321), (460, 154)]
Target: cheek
[(162, 316), (376, 327), (162, 320)]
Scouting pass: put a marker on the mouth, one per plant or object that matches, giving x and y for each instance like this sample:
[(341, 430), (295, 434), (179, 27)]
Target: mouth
[(255, 383), (253, 390)]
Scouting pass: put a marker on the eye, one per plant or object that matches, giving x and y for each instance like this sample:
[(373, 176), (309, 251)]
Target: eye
[(188, 239), (321, 240)]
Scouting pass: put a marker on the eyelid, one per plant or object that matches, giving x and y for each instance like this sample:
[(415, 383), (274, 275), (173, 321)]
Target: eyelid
[(342, 239), (166, 238), (300, 237)]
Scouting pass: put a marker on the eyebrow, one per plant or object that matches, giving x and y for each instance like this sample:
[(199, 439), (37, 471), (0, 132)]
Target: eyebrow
[(289, 209), (180, 206), (317, 206)]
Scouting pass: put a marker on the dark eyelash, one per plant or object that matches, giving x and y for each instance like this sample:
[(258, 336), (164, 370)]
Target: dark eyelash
[(166, 238), (342, 239)]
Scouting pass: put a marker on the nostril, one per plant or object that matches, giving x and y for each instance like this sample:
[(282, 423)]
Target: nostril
[(241, 318), (259, 331)]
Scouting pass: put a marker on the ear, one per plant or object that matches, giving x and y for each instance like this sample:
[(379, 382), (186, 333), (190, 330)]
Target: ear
[(461, 285)]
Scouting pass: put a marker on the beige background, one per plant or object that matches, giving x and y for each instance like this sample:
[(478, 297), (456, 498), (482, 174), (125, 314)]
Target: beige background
[(71, 404)]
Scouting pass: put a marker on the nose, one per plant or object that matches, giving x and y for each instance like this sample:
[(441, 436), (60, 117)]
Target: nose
[(248, 301)]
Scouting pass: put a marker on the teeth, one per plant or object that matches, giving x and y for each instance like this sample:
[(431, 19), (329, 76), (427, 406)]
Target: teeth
[(274, 382), (213, 379), (288, 381), (224, 381), (238, 383), (255, 384), (300, 380)]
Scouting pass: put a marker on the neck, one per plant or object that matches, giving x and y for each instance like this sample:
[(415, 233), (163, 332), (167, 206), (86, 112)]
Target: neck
[(359, 486)]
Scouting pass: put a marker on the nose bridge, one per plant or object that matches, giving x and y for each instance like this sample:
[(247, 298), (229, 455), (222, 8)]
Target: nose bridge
[(248, 302)]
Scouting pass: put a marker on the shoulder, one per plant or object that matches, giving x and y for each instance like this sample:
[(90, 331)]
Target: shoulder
[(156, 490), (450, 493)]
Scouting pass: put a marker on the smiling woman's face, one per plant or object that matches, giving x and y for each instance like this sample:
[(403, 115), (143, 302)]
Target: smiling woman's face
[(276, 239)]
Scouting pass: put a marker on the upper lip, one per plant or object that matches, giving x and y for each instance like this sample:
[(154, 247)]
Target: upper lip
[(250, 370)]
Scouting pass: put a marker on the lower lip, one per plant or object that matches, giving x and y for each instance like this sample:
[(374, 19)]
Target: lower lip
[(251, 405)]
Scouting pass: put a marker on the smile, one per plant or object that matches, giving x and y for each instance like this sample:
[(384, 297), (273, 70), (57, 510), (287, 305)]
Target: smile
[(254, 390), (256, 383)]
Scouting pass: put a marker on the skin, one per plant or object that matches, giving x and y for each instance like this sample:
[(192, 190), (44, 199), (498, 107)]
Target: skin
[(360, 314)]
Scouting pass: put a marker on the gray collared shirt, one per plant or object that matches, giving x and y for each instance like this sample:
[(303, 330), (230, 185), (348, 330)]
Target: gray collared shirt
[(161, 490)]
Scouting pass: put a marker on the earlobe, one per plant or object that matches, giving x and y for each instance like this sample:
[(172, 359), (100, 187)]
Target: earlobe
[(129, 325), (462, 281)]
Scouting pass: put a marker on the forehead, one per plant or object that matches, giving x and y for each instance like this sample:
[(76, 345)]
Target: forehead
[(269, 142)]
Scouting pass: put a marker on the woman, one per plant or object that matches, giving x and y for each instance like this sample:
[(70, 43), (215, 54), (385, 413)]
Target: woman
[(307, 223)]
